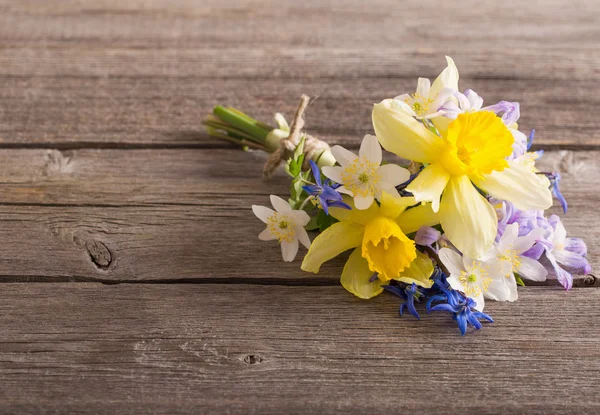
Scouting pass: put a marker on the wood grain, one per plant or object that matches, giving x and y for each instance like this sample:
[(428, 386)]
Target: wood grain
[(160, 215), (144, 73), (256, 349)]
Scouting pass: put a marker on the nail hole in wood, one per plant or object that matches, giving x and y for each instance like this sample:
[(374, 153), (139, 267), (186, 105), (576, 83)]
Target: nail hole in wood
[(99, 254), (590, 279), (252, 359)]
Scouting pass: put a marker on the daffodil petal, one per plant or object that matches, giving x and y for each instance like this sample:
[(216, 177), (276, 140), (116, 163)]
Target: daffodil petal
[(412, 219), (429, 185), (336, 239), (370, 149), (468, 219), (393, 174), (392, 206), (419, 271), (343, 156), (356, 277), (354, 215), (404, 136), (447, 79), (518, 184)]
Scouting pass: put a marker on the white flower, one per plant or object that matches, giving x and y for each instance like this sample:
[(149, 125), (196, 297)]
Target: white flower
[(362, 176), (284, 224), (510, 248), (427, 100), (479, 279)]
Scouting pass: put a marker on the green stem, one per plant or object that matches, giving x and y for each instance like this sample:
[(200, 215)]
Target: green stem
[(242, 122)]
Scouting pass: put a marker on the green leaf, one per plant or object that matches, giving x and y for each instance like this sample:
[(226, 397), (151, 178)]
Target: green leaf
[(324, 221), (519, 281), (312, 224)]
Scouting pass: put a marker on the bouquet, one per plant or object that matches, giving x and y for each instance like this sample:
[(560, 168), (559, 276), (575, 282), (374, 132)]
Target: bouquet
[(460, 219)]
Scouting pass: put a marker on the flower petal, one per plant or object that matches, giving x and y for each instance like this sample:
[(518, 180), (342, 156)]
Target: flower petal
[(356, 277), (262, 212), (343, 156), (289, 250), (354, 215), (518, 184), (393, 174), (447, 79), (404, 136), (423, 88), (392, 206), (334, 173), (429, 185), (502, 289), (302, 236), (571, 260), (419, 271), (300, 217), (336, 239), (524, 243), (363, 202), (412, 219), (530, 269), (453, 261), (468, 219), (508, 238), (266, 235), (280, 205), (427, 236), (370, 149)]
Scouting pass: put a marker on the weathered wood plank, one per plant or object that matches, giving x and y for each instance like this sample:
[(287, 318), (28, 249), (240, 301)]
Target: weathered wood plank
[(178, 214), (256, 349), (143, 74)]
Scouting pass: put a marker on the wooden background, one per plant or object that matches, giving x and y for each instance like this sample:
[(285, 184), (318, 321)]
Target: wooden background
[(108, 178)]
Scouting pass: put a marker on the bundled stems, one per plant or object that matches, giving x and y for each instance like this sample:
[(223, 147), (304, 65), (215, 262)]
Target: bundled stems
[(230, 124)]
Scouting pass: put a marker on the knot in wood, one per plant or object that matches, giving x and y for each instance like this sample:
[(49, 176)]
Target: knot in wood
[(99, 254), (252, 359)]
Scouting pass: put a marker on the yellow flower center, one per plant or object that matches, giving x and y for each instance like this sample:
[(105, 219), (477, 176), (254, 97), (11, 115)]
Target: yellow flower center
[(360, 177), (386, 248), (477, 143), (281, 227), (512, 257), (420, 105), (475, 280)]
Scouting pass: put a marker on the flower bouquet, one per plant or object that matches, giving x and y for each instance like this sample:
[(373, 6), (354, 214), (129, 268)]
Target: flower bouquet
[(458, 221)]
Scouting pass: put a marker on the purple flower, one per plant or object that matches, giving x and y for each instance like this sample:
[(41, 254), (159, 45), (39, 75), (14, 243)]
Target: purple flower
[(324, 191), (406, 292), (508, 111), (427, 236), (568, 252)]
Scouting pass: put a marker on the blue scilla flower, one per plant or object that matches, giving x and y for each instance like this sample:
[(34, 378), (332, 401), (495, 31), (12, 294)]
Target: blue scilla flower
[(406, 292), (324, 191), (461, 307)]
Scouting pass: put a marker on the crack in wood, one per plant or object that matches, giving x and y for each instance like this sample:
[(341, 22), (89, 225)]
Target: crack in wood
[(99, 254)]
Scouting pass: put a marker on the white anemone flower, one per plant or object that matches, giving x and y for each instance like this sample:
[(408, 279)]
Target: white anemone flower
[(363, 177), (510, 248), (284, 224), (479, 279), (425, 103)]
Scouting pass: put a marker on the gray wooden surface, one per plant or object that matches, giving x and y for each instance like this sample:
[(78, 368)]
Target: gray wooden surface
[(108, 177)]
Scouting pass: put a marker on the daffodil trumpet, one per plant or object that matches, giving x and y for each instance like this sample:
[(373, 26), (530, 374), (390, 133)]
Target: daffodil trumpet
[(463, 224)]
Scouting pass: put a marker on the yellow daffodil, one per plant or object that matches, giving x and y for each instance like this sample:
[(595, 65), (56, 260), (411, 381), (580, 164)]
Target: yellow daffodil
[(470, 153), (382, 247)]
